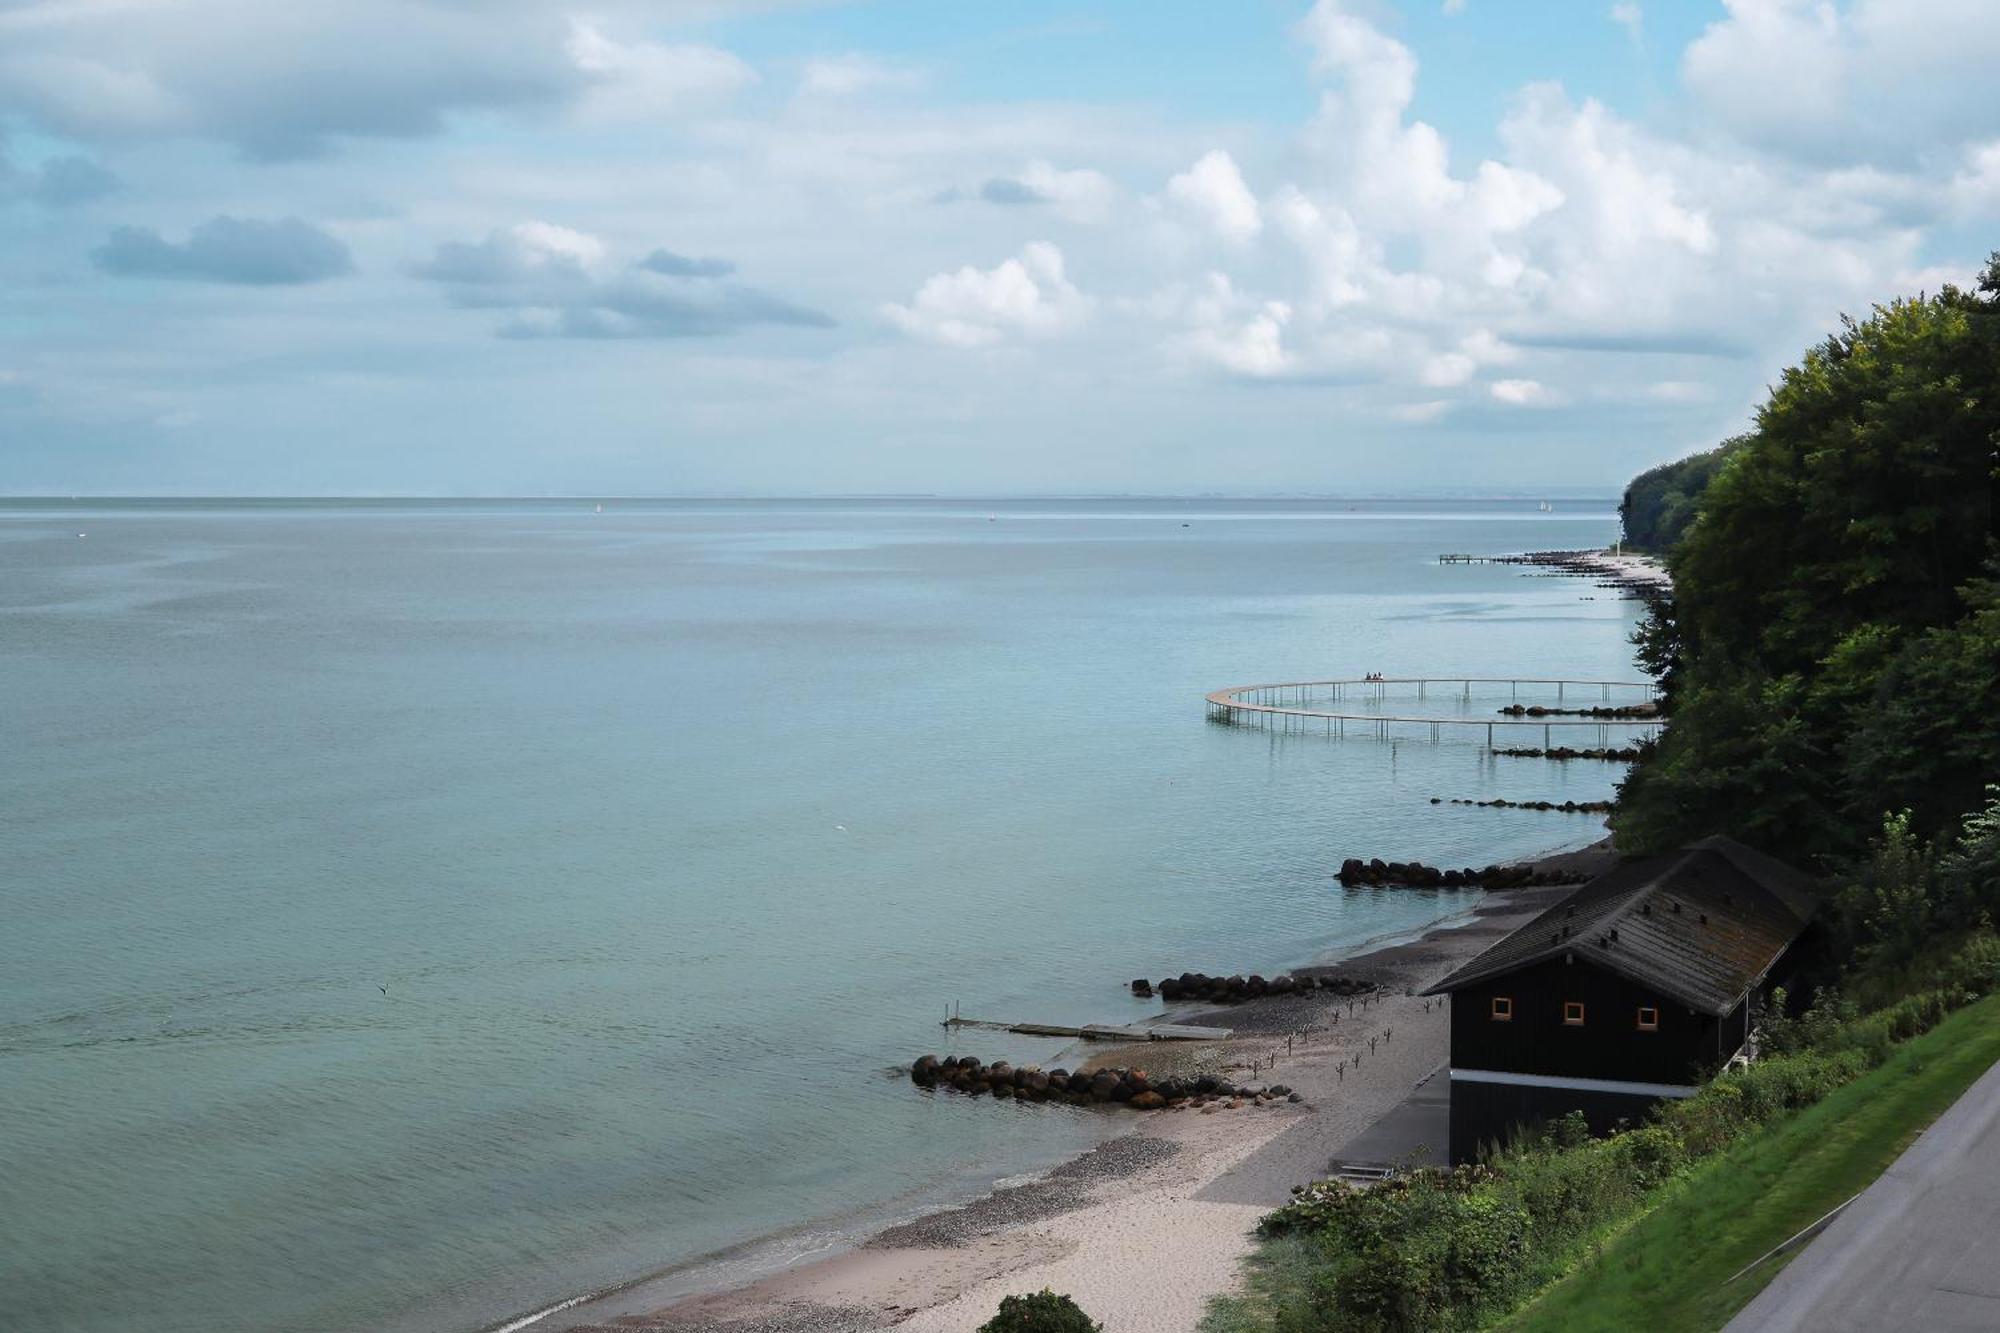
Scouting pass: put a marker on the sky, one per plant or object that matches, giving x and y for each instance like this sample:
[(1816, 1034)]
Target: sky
[(697, 247)]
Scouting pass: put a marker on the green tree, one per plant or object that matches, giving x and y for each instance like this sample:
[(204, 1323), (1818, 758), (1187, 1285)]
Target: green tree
[(1661, 504), (1832, 651)]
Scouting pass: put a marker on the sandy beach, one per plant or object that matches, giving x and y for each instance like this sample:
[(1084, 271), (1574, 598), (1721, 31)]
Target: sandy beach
[(1143, 1230)]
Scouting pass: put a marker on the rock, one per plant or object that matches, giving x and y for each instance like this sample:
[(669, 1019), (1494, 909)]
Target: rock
[(1142, 987), (1003, 1090), (925, 1071), (1102, 1085), (1148, 1101), (1293, 1097)]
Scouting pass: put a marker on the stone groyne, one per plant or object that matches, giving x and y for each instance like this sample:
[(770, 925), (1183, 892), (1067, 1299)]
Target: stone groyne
[(1129, 1088)]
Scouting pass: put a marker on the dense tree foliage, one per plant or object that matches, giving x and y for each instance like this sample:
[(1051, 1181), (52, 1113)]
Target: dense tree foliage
[(1833, 646), (1660, 505)]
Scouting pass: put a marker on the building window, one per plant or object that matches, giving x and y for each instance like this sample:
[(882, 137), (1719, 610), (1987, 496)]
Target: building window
[(1503, 1009), (1649, 1018), (1573, 1013)]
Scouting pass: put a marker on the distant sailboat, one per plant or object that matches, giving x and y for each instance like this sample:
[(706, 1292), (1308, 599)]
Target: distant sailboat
[(600, 509), (1548, 508)]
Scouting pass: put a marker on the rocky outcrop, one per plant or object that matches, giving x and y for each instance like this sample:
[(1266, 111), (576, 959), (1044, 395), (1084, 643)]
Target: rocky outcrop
[(1131, 1088), (1356, 873), (1566, 807), (1230, 990), (1627, 754), (1614, 711)]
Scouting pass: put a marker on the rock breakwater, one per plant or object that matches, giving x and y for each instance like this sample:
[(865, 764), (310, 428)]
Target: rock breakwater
[(1231, 989), (1380, 874), (1566, 807), (1132, 1089)]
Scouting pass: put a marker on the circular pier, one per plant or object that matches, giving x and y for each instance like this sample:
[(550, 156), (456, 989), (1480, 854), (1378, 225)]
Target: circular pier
[(1329, 706)]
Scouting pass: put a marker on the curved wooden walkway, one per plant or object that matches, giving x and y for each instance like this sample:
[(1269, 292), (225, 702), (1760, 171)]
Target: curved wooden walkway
[(1284, 704)]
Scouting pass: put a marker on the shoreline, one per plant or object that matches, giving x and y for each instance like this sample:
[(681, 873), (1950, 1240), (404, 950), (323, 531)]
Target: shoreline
[(1145, 1227)]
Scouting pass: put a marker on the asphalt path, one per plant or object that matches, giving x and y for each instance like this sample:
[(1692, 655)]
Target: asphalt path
[(1920, 1249)]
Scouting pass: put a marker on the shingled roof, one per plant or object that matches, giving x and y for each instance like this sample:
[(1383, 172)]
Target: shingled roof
[(1700, 925)]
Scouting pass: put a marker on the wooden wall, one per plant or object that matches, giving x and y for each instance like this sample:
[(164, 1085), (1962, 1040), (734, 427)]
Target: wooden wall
[(1609, 1045)]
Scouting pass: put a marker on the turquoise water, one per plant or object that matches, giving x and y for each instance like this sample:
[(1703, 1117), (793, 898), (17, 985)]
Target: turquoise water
[(419, 913)]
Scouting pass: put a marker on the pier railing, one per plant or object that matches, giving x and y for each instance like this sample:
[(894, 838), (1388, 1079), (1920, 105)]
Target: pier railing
[(1286, 705)]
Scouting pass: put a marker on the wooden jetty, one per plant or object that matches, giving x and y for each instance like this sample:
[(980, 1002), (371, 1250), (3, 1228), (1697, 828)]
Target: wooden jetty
[(1098, 1031), (1285, 705)]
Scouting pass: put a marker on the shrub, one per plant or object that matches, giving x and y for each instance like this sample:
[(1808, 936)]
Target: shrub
[(1040, 1312)]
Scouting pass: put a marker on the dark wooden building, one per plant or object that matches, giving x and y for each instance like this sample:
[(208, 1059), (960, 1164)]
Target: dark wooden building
[(1634, 987)]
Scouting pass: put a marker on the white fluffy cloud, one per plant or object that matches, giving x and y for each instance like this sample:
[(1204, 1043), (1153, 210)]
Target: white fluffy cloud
[(1520, 393), (1227, 330), (1864, 80), (1586, 236), (646, 80), (1026, 296), (1212, 190)]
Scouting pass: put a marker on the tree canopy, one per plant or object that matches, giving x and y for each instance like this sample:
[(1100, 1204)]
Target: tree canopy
[(1660, 505), (1832, 649)]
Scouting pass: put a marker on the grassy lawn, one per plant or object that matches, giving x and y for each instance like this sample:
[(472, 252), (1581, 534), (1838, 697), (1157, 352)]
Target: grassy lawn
[(1666, 1270)]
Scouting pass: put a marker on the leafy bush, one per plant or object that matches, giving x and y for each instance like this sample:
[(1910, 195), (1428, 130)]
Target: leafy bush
[(1040, 1312)]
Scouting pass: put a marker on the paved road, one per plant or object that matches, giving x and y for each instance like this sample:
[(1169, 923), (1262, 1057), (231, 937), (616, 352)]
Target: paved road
[(1919, 1250)]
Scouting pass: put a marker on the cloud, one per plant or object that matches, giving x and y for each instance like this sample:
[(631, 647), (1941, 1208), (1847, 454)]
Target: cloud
[(1007, 191), (287, 252), (680, 266), (643, 81), (1233, 332), (1213, 191), (1079, 195), (1627, 15), (849, 75), (71, 179), (1027, 296), (1520, 393), (58, 182), (292, 80), (1423, 413), (524, 253), (557, 282), (1865, 80)]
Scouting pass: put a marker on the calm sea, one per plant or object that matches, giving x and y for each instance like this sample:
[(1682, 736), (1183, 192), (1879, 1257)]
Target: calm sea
[(417, 913)]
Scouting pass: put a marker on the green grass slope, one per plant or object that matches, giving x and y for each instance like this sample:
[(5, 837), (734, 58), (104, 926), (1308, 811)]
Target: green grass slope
[(1667, 1271)]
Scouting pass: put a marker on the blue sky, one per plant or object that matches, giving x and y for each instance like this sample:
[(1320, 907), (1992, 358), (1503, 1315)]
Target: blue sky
[(418, 246)]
